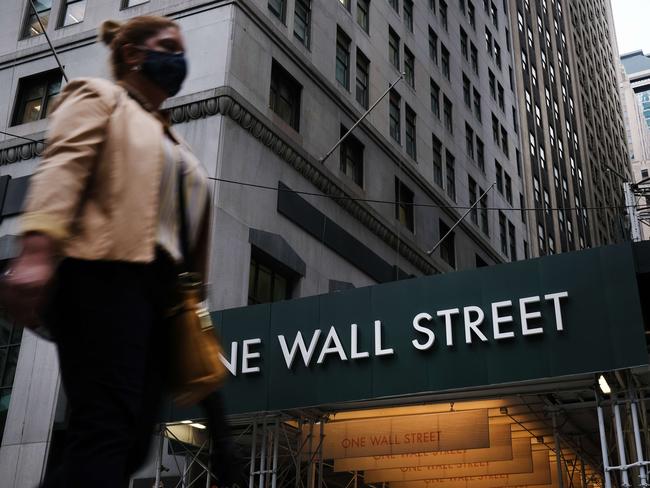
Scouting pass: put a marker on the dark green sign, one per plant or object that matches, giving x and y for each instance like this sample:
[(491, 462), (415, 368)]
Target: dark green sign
[(569, 314)]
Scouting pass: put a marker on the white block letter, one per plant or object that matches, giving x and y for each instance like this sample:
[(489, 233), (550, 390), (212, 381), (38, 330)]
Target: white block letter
[(332, 345), (298, 343), (497, 320), (472, 325), (354, 340), (556, 303), (447, 315), (232, 364), (379, 351), (525, 316), (425, 330), (246, 355)]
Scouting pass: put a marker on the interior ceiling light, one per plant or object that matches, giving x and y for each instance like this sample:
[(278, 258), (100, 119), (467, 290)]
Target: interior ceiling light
[(198, 426), (604, 386), (187, 422)]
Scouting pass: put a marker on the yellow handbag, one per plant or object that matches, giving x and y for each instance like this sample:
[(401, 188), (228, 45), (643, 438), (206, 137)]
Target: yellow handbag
[(197, 366)]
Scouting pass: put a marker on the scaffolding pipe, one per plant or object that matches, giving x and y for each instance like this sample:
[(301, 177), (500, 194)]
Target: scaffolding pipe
[(310, 465), (251, 479), (263, 449), (320, 453), (159, 457), (603, 444), (276, 439), (558, 452), (625, 480), (299, 455), (583, 475), (208, 478), (637, 440)]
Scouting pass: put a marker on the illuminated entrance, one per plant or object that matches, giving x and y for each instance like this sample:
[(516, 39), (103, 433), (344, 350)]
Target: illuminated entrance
[(479, 379)]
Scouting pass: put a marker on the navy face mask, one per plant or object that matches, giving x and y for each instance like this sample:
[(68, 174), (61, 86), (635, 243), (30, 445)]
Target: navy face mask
[(167, 70)]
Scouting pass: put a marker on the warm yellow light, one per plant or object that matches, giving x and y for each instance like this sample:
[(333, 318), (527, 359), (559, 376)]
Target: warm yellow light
[(197, 426), (604, 386), (187, 422)]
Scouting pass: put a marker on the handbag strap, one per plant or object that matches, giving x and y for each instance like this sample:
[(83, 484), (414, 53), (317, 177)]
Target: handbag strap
[(184, 239)]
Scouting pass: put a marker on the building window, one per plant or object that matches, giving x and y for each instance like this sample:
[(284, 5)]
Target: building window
[(35, 96), (352, 158), (442, 9), (411, 148), (404, 205), (346, 4), (395, 117), (504, 142), (394, 4), (471, 15), (448, 115), (10, 337), (469, 141), (363, 80), (435, 98), (363, 14), (302, 21), (473, 57), (134, 3), (467, 91), (268, 282), (495, 129), (32, 27), (503, 236), (485, 222), (278, 8), (473, 197), (444, 56), (500, 98), (448, 245), (508, 188), (480, 154), (73, 12), (450, 166), (393, 48), (409, 67), (477, 104), (499, 176), (408, 14), (437, 161), (644, 173), (463, 44), (343, 59), (433, 46), (493, 84), (285, 96)]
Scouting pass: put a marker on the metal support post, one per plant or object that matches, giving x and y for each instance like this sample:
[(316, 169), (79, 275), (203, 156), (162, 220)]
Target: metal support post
[(310, 465), (583, 474), (276, 440), (320, 454), (558, 452), (603, 443), (625, 481), (159, 453), (263, 449), (208, 478), (637, 438), (251, 479), (299, 455)]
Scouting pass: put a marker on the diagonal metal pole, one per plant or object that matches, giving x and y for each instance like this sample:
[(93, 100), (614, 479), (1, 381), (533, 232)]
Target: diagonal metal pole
[(17, 136), (433, 249), (340, 141), (56, 56)]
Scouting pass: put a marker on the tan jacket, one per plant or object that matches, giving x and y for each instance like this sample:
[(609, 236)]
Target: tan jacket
[(96, 189)]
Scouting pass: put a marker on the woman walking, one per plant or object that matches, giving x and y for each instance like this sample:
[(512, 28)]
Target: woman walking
[(101, 248)]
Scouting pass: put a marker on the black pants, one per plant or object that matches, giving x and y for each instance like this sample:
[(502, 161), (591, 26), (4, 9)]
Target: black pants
[(107, 320)]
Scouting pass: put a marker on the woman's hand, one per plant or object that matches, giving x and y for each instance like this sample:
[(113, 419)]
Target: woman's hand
[(25, 282)]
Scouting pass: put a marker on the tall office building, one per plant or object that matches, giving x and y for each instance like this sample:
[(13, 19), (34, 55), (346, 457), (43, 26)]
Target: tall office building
[(638, 135), (571, 123), (273, 85), (637, 68)]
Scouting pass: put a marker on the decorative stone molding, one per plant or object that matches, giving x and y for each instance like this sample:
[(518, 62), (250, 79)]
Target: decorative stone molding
[(224, 103), (22, 151)]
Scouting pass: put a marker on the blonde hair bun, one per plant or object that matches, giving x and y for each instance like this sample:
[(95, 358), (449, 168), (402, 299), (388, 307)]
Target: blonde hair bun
[(108, 31)]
